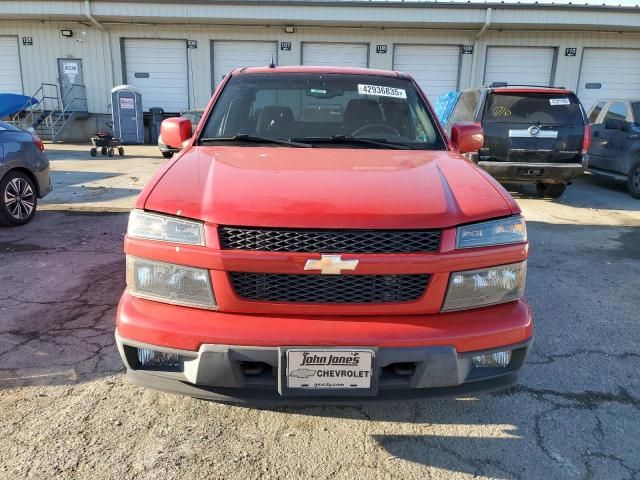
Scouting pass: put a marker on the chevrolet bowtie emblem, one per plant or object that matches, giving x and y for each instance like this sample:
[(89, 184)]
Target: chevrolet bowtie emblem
[(331, 265)]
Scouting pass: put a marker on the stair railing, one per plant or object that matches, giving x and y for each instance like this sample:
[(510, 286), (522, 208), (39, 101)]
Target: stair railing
[(46, 97), (75, 100)]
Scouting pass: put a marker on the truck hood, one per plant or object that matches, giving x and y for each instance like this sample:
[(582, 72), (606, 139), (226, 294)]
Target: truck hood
[(327, 188)]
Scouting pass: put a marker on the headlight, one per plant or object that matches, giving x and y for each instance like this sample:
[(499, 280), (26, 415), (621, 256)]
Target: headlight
[(169, 283), (165, 228), (495, 232), (486, 286)]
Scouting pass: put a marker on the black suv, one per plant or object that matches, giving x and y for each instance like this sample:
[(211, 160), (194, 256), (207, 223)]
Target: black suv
[(615, 150), (531, 134)]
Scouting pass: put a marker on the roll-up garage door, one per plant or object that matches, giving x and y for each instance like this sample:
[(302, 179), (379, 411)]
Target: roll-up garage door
[(158, 68), (520, 65), (434, 67), (10, 78), (227, 55), (608, 73), (336, 54)]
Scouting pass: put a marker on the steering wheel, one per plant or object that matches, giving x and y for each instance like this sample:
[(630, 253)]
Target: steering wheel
[(376, 127)]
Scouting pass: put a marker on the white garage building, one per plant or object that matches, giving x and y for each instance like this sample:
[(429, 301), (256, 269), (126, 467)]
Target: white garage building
[(177, 52)]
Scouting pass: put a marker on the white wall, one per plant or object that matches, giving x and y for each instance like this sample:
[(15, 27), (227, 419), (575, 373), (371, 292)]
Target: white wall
[(102, 58)]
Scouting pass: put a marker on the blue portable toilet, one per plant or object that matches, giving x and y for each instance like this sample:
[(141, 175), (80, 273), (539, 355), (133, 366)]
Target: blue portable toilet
[(126, 110)]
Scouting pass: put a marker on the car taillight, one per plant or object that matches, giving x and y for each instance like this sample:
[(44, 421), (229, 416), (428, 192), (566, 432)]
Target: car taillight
[(38, 142), (586, 140)]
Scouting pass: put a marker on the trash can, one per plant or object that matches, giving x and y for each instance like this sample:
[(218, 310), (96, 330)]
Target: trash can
[(157, 115), (126, 110)]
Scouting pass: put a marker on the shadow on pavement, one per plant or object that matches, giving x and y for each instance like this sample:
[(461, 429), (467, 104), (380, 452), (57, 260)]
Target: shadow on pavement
[(70, 154), (588, 191)]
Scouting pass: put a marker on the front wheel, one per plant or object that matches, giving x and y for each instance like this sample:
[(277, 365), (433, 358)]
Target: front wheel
[(550, 190), (17, 199), (633, 180), (167, 154)]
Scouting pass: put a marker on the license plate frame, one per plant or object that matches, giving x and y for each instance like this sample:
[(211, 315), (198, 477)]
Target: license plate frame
[(287, 388)]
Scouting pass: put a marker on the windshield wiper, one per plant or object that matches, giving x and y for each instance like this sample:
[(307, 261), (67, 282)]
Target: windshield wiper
[(243, 137), (350, 140)]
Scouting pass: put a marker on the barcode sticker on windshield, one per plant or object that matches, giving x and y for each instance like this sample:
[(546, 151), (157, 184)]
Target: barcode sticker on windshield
[(559, 101), (381, 91)]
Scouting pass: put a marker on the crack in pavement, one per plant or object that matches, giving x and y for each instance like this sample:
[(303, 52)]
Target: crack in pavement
[(583, 351), (83, 340), (590, 473), (588, 400)]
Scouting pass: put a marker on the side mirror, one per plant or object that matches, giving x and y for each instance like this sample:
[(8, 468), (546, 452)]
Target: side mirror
[(614, 124), (466, 137), (176, 131)]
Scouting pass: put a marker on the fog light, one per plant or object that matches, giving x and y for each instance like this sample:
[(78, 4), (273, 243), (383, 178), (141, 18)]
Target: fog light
[(493, 360), (159, 360)]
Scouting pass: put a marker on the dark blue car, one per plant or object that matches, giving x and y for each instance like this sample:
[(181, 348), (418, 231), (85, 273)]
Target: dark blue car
[(24, 175)]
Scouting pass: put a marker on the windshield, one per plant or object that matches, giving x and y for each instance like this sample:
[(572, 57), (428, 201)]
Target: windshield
[(334, 110), (534, 108), (636, 112)]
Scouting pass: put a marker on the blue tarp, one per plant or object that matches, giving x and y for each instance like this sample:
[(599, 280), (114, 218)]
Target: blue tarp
[(11, 103), (444, 105)]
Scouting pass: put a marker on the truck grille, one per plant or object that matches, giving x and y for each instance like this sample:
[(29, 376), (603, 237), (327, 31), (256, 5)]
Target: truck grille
[(329, 241), (299, 288)]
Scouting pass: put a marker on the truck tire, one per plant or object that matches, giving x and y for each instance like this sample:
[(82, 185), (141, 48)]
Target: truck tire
[(633, 180), (550, 190), (18, 199)]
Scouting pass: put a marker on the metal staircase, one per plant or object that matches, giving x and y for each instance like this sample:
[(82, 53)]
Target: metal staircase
[(51, 115)]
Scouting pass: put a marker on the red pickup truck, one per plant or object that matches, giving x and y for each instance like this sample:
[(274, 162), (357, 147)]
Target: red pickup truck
[(320, 239)]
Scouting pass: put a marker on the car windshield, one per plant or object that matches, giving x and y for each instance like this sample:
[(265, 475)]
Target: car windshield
[(329, 110), (636, 112), (534, 108)]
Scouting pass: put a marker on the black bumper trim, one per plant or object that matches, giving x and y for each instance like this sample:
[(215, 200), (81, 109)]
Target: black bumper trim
[(215, 372), (264, 397), (534, 172)]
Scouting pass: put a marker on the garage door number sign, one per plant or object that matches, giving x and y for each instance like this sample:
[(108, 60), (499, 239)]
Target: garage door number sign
[(381, 91)]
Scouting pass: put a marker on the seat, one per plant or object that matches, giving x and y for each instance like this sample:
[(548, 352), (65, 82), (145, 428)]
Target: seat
[(398, 116), (275, 122), (321, 114), (361, 111)]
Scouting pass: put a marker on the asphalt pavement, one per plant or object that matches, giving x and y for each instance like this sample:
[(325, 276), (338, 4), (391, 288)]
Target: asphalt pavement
[(67, 410)]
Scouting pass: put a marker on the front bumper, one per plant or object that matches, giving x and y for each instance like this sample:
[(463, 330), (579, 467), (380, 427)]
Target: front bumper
[(242, 374), (215, 349), (534, 172)]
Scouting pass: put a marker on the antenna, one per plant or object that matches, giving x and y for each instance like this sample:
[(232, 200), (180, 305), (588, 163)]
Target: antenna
[(272, 64)]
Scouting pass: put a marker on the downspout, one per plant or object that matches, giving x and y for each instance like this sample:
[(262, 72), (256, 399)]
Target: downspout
[(92, 19), (87, 12), (487, 23)]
